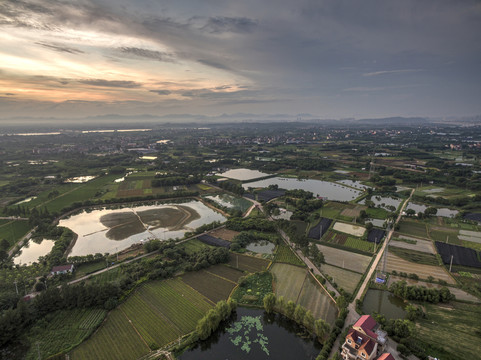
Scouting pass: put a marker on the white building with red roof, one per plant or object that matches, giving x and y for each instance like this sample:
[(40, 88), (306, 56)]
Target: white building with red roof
[(62, 269)]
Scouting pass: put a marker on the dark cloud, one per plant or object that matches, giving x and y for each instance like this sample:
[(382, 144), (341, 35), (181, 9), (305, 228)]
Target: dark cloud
[(60, 48), (111, 83), (214, 64), (223, 24), (9, 94), (161, 92), (147, 54)]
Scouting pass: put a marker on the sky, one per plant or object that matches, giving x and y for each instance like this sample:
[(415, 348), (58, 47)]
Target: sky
[(305, 58)]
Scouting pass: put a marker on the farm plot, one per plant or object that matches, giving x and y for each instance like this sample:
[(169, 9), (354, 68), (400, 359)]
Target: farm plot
[(288, 280), (460, 255), (313, 298), (375, 235), (414, 256), (176, 302), (211, 286), (443, 234), (412, 227), (346, 259), (473, 236), (213, 241), (420, 245), (460, 294), (284, 254), (350, 229), (317, 231), (349, 241), (117, 339), (225, 234), (13, 230), (64, 329), (346, 279), (395, 263), (248, 263), (453, 328), (192, 246), (225, 272), (354, 211), (295, 284), (152, 326)]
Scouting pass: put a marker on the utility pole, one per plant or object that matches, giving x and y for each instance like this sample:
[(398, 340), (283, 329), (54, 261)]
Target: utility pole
[(16, 288), (451, 263)]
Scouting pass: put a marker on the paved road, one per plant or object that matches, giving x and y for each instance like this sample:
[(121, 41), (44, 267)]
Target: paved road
[(12, 218), (381, 252)]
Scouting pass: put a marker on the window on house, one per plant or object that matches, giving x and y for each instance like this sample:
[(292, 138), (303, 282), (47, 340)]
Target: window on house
[(349, 341), (363, 355)]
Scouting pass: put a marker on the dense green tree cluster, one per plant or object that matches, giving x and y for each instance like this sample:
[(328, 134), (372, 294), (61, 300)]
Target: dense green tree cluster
[(420, 293), (250, 223), (231, 186), (175, 180), (210, 322)]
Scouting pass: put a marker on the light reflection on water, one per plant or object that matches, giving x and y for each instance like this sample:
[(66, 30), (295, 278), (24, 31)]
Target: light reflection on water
[(111, 230)]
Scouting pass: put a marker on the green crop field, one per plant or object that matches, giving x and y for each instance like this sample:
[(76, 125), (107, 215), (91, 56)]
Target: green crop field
[(77, 193), (414, 256), (346, 279), (315, 299), (248, 263), (377, 213), (355, 243), (413, 227), (211, 286), (253, 290), (193, 246), (13, 230), (284, 254), (288, 280), (453, 328), (87, 268), (225, 272), (296, 284), (116, 339), (155, 315), (60, 331)]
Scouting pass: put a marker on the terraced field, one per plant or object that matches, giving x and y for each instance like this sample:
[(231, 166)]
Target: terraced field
[(423, 271), (346, 259)]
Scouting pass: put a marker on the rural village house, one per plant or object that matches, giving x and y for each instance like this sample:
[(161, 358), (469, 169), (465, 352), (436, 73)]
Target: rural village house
[(62, 269), (365, 340)]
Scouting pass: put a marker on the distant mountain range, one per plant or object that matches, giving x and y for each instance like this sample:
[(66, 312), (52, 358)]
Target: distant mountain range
[(236, 117)]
